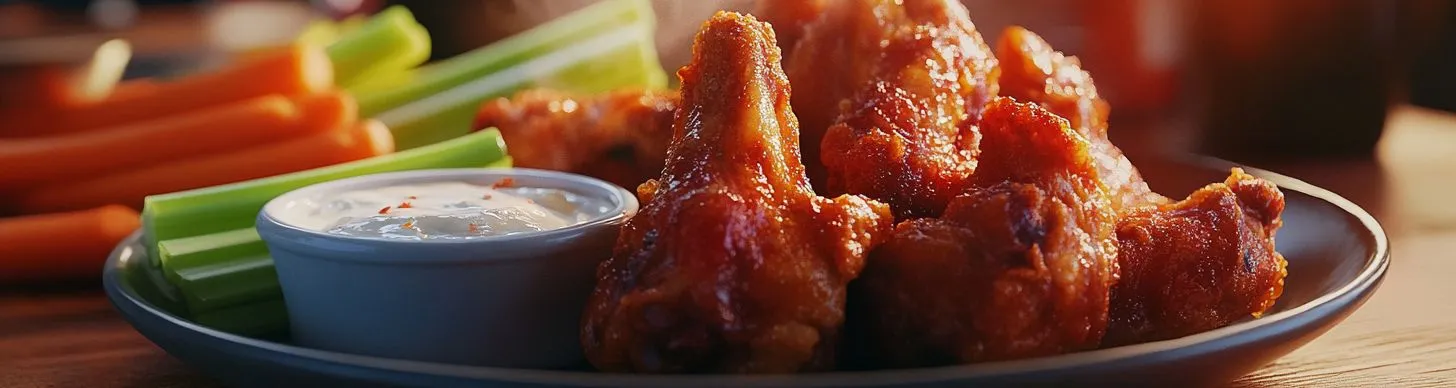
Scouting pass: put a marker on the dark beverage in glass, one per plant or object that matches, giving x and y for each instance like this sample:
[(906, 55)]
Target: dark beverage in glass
[(1298, 78)]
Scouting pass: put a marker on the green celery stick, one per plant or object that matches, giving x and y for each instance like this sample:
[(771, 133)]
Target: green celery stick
[(235, 206), (268, 318), (550, 36), (205, 250), (237, 281), (502, 163), (391, 41), (152, 285), (220, 269), (622, 57)]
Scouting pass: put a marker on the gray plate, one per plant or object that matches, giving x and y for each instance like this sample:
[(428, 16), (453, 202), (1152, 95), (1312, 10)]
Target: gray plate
[(1337, 257)]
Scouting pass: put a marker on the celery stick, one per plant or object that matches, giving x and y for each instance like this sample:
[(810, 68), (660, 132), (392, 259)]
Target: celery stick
[(550, 36), (319, 33), (220, 269), (235, 206), (381, 82), (502, 163), (256, 319), (323, 32), (199, 251), (621, 57), (236, 281), (389, 42), (153, 286), (353, 23)]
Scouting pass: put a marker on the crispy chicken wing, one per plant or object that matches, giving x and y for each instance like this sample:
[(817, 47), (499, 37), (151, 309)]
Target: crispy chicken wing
[(1186, 267), (1199, 264), (1019, 266), (835, 57), (733, 264), (1032, 71), (789, 18), (620, 137), (907, 136)]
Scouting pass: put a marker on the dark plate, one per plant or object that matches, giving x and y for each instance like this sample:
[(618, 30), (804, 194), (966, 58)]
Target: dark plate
[(1337, 256)]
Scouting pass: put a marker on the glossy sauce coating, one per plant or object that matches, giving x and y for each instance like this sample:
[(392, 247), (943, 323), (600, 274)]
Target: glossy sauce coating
[(907, 136), (1199, 264), (789, 19), (1032, 71), (835, 57), (620, 137), (1019, 266), (733, 265)]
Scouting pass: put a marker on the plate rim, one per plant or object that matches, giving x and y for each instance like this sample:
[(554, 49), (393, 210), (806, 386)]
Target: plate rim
[(1364, 283)]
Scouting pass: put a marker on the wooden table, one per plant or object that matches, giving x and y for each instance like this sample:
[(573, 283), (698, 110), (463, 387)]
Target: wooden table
[(1404, 336)]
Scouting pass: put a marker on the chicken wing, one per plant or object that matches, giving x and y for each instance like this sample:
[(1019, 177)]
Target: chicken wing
[(835, 57), (908, 134), (620, 137), (733, 264), (789, 18), (1186, 267), (1198, 264), (1019, 266), (1032, 71)]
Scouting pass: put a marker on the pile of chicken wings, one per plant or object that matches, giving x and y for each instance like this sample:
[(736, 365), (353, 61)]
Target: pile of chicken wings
[(916, 198)]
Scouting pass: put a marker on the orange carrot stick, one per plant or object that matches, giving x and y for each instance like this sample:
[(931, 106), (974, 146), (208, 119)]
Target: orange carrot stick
[(296, 70), (353, 142), (50, 88), (224, 128), (34, 86), (62, 245), (134, 89)]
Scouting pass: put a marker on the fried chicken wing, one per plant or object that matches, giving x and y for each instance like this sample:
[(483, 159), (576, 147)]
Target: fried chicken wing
[(907, 136), (834, 58), (733, 264), (789, 18), (1198, 264), (1019, 266), (1185, 267), (620, 137), (1032, 71)]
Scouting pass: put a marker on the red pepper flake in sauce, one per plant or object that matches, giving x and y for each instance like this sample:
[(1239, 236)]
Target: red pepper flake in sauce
[(487, 196), (385, 210), (504, 182), (409, 225), (474, 228), (413, 197), (405, 205)]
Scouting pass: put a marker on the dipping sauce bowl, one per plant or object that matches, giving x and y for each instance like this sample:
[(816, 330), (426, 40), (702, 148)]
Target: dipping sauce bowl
[(506, 301)]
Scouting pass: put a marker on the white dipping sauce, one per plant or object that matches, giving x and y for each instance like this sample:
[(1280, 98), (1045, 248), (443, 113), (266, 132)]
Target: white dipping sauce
[(447, 210)]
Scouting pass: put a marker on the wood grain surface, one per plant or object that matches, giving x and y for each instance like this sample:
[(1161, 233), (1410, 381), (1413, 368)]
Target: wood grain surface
[(1404, 336)]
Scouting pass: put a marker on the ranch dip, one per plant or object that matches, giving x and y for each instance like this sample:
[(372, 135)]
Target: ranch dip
[(442, 211)]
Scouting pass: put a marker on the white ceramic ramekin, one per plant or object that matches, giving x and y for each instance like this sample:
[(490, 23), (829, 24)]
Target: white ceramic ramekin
[(506, 301)]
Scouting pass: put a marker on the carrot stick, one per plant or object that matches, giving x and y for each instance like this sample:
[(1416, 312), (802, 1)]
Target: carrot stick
[(62, 245), (51, 85), (296, 70), (224, 128), (134, 89), (34, 86), (353, 142)]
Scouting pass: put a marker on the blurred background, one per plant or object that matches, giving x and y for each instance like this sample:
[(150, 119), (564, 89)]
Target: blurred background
[(1258, 79)]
